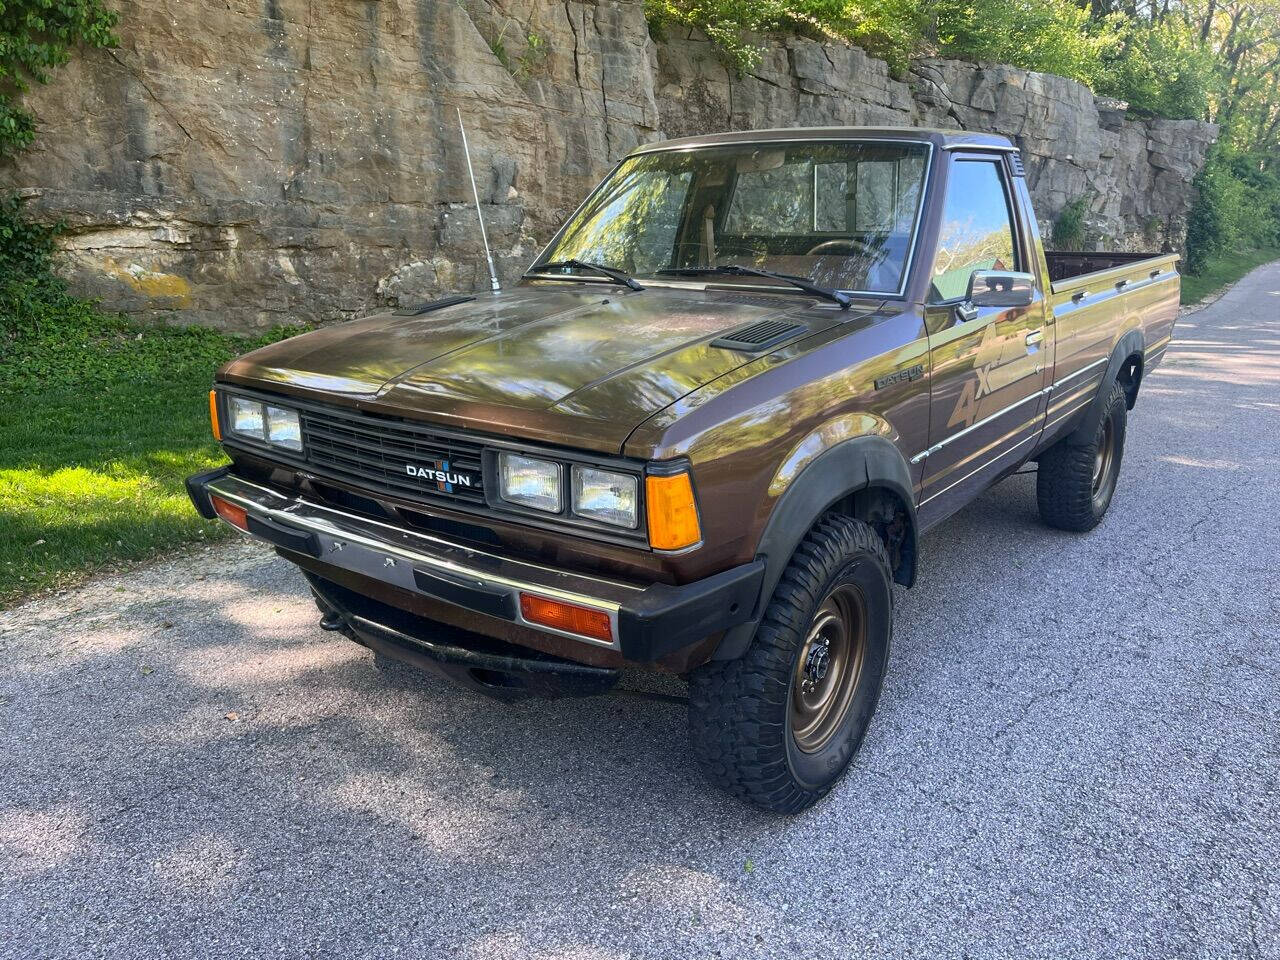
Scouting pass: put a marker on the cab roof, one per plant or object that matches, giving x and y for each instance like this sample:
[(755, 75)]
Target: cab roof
[(942, 139)]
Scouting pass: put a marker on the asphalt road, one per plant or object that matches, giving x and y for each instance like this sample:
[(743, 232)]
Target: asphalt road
[(1076, 754)]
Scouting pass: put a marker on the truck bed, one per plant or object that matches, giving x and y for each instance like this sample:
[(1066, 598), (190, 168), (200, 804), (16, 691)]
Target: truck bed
[(1097, 297), (1086, 278), (1069, 264)]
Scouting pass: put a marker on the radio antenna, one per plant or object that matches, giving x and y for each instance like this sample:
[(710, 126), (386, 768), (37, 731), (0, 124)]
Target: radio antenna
[(475, 194)]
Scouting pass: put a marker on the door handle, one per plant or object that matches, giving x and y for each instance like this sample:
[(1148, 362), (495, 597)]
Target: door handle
[(1079, 295), (1034, 337)]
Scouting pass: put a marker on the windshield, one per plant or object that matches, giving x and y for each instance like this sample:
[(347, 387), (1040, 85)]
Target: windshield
[(841, 214)]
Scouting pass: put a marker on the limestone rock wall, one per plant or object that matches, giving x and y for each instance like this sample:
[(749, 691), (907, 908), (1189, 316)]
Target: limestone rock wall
[(269, 161)]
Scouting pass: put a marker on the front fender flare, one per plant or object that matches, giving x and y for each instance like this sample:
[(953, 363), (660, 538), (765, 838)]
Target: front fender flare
[(851, 465)]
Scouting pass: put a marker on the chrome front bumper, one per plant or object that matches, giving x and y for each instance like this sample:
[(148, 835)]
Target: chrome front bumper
[(646, 622)]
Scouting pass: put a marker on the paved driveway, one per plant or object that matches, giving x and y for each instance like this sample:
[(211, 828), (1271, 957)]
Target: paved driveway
[(1076, 754)]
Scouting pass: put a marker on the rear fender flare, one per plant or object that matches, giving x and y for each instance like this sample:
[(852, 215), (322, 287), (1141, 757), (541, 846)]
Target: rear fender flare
[(1128, 344), (846, 468)]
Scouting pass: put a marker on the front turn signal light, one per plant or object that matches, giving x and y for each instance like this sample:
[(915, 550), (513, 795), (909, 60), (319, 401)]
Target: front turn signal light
[(672, 513), (213, 415), (568, 617), (233, 513)]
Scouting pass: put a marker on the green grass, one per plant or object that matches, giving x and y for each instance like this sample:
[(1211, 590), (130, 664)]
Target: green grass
[(101, 419), (1220, 271)]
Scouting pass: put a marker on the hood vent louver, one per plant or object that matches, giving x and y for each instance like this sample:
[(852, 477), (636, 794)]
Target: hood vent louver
[(759, 336)]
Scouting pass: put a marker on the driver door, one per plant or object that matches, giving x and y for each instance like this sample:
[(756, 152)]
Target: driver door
[(989, 364)]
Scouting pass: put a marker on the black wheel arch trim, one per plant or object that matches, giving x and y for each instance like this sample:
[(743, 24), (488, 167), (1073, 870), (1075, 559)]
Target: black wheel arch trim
[(845, 469), (1129, 344)]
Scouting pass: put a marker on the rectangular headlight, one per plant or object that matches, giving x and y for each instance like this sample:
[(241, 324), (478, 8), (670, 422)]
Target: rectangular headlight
[(284, 428), (529, 482), (606, 496), (247, 418)]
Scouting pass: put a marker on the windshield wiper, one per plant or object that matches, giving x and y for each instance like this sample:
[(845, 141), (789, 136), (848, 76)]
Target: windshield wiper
[(617, 276), (737, 270)]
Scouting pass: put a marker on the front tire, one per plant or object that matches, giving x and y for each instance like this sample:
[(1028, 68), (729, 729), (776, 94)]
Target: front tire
[(1075, 482), (778, 726)]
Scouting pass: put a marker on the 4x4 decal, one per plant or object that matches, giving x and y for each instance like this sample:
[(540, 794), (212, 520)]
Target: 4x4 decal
[(996, 366)]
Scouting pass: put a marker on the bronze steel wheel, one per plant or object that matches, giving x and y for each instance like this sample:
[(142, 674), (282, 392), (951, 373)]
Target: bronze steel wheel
[(778, 725), (828, 668), (1104, 477)]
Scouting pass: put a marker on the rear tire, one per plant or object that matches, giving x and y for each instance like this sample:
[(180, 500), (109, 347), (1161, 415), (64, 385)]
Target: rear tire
[(778, 726), (1075, 482)]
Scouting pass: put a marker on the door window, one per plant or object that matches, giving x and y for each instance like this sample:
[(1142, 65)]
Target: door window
[(977, 229)]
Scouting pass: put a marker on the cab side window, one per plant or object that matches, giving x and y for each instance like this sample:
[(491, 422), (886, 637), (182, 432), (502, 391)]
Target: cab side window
[(977, 229)]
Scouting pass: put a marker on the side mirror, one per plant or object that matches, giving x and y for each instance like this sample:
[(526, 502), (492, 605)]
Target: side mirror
[(1000, 288)]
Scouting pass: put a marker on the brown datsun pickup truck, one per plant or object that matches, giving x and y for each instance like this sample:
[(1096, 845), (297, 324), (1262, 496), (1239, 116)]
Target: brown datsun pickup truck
[(705, 432)]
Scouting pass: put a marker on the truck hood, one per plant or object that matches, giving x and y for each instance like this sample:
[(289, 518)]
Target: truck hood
[(574, 364)]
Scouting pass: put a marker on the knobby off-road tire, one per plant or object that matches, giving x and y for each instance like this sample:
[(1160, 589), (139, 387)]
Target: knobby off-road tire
[(778, 726), (1075, 483)]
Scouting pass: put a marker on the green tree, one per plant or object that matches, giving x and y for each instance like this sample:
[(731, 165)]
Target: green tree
[(1161, 69), (890, 29), (1053, 36)]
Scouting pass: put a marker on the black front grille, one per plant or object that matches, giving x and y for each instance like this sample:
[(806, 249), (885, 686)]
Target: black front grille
[(375, 453)]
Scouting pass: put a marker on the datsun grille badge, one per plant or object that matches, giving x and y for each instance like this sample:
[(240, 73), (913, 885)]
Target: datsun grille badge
[(445, 479)]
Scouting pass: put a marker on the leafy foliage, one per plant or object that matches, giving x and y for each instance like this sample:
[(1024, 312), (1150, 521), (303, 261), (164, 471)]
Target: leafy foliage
[(1053, 36), (1050, 35), (1160, 69), (525, 64), (1069, 228), (100, 417), (37, 36), (25, 247), (890, 29), (1237, 208)]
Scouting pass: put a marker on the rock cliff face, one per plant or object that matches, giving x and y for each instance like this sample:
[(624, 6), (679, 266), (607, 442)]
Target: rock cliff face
[(270, 161)]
